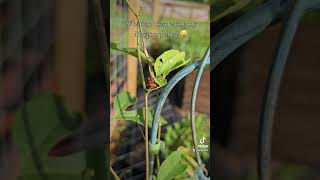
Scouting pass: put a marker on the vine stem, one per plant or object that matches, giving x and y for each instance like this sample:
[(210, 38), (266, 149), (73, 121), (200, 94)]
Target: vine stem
[(146, 92), (140, 30)]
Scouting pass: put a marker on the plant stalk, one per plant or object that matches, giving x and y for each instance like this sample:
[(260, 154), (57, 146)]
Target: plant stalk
[(146, 92), (146, 95)]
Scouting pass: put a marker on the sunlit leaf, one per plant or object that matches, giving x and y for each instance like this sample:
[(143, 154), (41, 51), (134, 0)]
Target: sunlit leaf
[(172, 166)]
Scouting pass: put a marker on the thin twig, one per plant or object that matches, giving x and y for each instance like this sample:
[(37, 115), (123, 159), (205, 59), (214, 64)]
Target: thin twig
[(142, 77), (140, 30), (146, 137), (146, 92), (141, 67), (140, 129)]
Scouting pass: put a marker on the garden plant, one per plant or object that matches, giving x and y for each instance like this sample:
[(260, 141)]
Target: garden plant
[(36, 137), (178, 164)]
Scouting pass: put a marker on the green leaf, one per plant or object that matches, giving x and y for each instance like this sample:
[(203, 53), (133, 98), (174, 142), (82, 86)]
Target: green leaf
[(131, 51), (123, 101), (41, 124), (172, 166)]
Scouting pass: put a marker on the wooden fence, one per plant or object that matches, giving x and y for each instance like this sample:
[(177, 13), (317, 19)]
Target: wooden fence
[(179, 9)]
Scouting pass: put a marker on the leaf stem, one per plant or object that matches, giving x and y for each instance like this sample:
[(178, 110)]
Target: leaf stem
[(140, 30), (141, 67)]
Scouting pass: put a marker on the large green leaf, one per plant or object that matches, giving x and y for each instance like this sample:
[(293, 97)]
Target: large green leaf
[(41, 124), (174, 165), (123, 101)]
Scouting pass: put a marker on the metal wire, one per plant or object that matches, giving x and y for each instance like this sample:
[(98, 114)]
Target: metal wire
[(167, 89), (245, 28), (193, 103), (273, 86)]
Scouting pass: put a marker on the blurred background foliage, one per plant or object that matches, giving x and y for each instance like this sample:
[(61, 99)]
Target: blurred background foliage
[(179, 134)]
